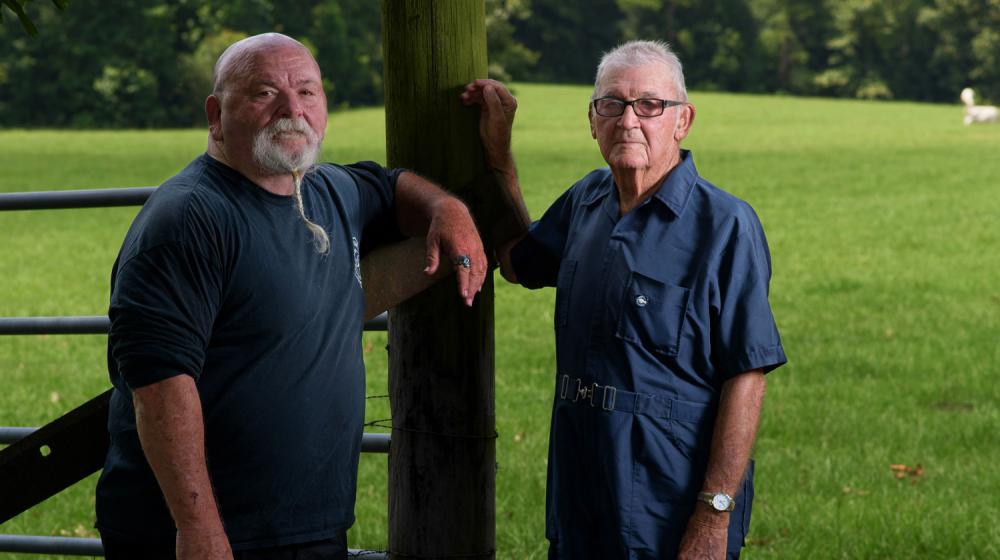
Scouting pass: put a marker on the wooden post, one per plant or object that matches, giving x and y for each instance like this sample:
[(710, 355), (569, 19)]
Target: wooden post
[(442, 461)]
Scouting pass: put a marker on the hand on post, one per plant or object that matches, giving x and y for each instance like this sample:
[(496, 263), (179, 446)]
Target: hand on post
[(496, 118)]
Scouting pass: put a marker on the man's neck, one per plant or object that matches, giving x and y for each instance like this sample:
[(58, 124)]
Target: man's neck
[(636, 185), (281, 185)]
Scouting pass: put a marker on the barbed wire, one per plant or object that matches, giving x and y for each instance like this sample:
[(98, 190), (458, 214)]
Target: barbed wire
[(386, 423)]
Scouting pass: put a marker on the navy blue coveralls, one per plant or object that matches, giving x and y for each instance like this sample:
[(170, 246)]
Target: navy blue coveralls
[(654, 311)]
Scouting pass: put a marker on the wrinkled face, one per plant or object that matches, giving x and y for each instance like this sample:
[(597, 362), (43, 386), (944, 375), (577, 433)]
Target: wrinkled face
[(272, 115), (632, 143)]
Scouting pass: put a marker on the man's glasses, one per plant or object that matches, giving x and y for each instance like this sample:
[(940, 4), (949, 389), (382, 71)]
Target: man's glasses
[(647, 107)]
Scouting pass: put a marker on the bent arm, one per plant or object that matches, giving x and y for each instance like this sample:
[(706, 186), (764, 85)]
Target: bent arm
[(418, 201), (732, 440), (497, 108), (424, 209), (506, 173), (171, 429), (392, 274)]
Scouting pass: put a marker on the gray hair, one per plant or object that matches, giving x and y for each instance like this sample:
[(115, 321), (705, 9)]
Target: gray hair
[(238, 58), (634, 54)]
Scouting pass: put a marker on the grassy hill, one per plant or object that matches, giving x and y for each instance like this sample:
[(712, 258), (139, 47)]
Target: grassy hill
[(882, 223)]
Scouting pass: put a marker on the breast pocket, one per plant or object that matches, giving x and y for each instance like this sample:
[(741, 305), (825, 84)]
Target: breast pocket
[(653, 313), (564, 288)]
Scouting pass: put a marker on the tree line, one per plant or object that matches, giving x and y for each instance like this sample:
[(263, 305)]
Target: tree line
[(148, 63)]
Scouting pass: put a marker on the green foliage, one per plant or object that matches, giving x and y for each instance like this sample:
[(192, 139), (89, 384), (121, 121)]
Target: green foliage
[(881, 219), (17, 6), (348, 38), (131, 63), (507, 57), (195, 68), (716, 41), (136, 63), (567, 38), (124, 72)]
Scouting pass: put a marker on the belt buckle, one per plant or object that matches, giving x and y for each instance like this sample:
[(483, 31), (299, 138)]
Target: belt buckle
[(594, 387), (606, 403), (585, 392)]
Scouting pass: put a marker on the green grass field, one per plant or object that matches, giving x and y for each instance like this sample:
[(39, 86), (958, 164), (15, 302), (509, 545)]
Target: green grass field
[(882, 221)]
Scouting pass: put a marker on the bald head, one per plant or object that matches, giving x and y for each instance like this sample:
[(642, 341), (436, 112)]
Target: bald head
[(239, 58)]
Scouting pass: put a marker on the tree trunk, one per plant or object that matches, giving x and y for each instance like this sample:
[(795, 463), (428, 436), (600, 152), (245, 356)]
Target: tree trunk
[(442, 460)]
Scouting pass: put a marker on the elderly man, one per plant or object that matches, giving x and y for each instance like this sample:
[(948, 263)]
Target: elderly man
[(663, 327), (236, 317)]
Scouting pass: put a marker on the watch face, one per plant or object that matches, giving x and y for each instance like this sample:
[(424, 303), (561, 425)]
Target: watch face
[(720, 502)]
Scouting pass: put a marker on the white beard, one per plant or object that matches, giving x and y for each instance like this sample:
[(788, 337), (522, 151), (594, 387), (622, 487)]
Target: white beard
[(269, 154)]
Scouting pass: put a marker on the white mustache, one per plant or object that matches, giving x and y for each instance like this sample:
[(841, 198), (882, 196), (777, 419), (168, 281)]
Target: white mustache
[(284, 126)]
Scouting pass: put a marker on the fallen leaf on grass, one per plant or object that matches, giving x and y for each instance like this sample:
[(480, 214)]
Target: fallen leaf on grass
[(902, 471)]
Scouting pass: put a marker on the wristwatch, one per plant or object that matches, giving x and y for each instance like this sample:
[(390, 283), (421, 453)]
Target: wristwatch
[(718, 501)]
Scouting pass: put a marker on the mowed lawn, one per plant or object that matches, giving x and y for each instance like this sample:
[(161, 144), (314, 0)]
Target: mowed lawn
[(882, 220)]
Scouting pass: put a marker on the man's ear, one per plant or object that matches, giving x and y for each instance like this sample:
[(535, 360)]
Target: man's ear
[(213, 111), (590, 117), (684, 122)]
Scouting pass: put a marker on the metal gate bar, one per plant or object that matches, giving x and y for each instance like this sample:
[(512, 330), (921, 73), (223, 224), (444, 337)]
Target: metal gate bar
[(370, 442), (86, 198), (76, 546), (98, 324)]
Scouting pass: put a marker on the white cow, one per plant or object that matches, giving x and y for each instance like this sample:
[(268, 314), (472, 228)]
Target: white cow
[(977, 113)]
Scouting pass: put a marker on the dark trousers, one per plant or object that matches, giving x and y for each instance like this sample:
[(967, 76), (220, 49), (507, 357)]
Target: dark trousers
[(330, 549)]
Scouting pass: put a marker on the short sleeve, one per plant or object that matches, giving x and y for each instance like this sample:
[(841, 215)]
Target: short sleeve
[(536, 258), (377, 196), (163, 304), (744, 334)]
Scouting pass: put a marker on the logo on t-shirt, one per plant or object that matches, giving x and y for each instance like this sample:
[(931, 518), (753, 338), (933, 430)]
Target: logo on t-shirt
[(357, 259)]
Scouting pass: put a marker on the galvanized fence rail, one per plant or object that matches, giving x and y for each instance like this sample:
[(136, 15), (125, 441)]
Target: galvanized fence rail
[(86, 198), (98, 324)]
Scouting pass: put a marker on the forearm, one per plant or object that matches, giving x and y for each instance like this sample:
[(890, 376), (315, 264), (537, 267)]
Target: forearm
[(735, 431), (419, 201), (505, 171), (171, 428), (392, 274), (734, 434)]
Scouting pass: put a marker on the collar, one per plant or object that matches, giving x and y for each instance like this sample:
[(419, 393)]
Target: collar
[(673, 192), (676, 189)]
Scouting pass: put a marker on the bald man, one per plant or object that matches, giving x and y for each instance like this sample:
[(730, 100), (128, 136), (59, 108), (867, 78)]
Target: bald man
[(236, 316)]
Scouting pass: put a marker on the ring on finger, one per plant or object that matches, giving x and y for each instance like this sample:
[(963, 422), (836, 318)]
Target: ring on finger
[(463, 261)]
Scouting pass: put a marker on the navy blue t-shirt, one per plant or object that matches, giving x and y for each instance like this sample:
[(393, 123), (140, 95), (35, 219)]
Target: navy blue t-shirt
[(219, 279), (662, 305)]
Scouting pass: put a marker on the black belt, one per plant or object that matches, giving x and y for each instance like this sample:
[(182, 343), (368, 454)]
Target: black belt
[(610, 398)]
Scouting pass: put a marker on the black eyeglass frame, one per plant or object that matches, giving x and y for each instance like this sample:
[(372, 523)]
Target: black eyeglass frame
[(664, 105)]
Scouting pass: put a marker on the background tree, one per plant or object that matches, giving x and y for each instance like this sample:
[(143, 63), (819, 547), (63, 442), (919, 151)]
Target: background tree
[(18, 8), (716, 41), (568, 37), (131, 63), (507, 56)]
